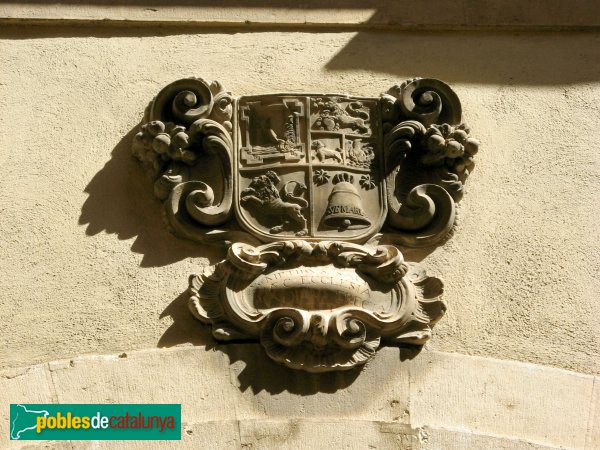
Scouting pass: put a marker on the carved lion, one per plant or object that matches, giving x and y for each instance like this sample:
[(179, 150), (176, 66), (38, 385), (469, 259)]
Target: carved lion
[(263, 195), (352, 117)]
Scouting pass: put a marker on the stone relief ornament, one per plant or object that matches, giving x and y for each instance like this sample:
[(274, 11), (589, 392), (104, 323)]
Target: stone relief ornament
[(314, 196)]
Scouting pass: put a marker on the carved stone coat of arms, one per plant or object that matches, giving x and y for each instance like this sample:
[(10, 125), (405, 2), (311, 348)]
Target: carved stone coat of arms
[(314, 197)]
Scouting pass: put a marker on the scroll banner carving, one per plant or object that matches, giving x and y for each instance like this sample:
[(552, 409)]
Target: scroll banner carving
[(298, 187)]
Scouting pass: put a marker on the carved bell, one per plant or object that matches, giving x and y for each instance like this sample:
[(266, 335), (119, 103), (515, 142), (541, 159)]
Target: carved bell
[(344, 208)]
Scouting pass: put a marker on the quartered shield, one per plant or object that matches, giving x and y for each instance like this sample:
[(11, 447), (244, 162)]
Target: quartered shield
[(306, 175), (309, 166)]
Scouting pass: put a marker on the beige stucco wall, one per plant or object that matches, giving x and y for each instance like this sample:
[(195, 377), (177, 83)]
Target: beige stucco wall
[(87, 266)]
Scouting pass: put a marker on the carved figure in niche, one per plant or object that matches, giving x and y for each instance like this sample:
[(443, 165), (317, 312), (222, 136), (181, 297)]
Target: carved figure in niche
[(267, 141), (266, 198), (360, 154), (323, 153), (332, 116)]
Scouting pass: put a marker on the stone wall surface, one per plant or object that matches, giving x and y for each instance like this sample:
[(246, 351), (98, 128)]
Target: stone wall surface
[(338, 14), (88, 267), (236, 397)]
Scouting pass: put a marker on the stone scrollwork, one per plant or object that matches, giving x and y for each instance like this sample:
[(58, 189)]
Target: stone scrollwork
[(298, 188), (317, 306), (186, 146), (424, 135)]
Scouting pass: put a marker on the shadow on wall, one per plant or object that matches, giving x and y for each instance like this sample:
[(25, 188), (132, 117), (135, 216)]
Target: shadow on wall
[(280, 378), (121, 202), (475, 57), (259, 373), (186, 329), (484, 57), (507, 58)]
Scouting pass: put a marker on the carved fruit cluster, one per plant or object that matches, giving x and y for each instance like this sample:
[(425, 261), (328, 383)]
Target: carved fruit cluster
[(158, 143), (450, 146)]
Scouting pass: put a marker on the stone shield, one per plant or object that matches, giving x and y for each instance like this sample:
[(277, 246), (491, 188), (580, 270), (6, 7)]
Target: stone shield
[(309, 166)]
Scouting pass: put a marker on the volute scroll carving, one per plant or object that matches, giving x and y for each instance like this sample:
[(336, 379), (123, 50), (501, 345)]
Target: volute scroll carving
[(317, 306), (298, 188), (424, 135), (187, 147)]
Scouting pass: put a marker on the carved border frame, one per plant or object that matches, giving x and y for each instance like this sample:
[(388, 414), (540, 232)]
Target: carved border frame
[(428, 155)]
